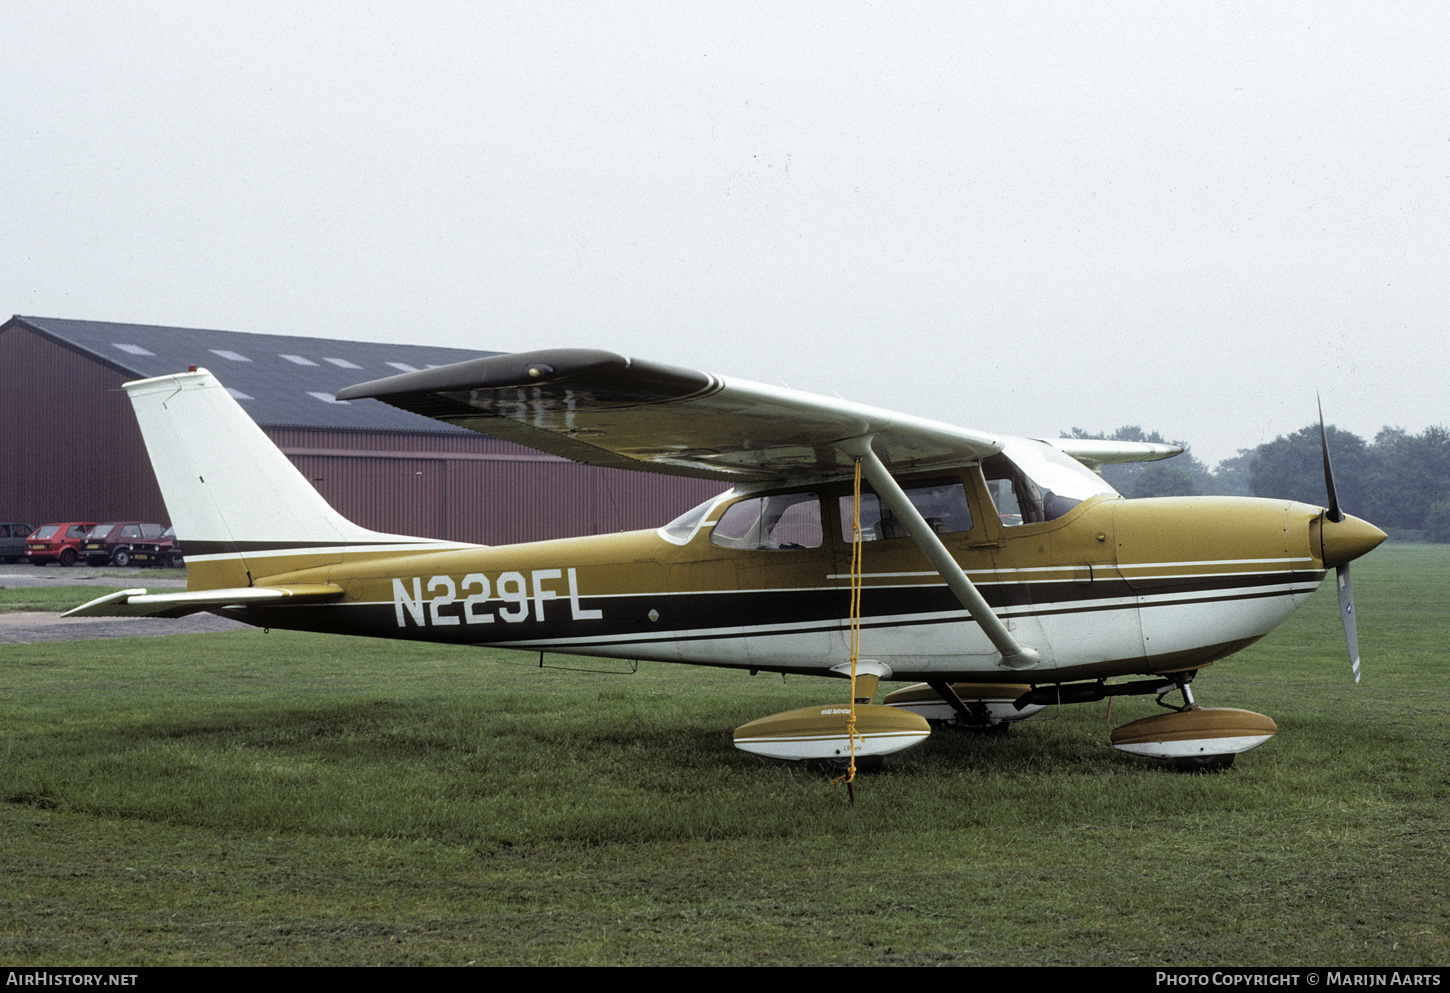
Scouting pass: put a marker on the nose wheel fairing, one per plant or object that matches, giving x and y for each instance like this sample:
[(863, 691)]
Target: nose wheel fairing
[(1195, 738)]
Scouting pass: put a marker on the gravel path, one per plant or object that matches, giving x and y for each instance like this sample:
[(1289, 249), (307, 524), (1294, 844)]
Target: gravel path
[(28, 576), (21, 627), (26, 627)]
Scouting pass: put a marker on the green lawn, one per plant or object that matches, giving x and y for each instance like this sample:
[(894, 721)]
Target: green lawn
[(50, 598), (279, 798)]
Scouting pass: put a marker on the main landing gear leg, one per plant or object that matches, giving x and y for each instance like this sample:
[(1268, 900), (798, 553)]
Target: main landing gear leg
[(973, 716)]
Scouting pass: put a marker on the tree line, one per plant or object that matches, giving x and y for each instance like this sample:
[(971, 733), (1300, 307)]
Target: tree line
[(1400, 482)]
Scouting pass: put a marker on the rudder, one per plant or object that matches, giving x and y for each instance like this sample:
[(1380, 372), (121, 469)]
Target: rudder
[(235, 500)]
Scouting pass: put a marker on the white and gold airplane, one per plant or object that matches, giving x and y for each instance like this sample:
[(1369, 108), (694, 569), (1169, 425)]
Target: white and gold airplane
[(1001, 574)]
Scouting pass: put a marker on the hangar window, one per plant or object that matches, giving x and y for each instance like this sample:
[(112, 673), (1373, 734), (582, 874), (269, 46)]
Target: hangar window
[(943, 503), (771, 523)]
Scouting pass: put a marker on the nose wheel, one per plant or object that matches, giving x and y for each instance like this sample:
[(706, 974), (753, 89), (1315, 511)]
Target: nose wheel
[(1193, 763)]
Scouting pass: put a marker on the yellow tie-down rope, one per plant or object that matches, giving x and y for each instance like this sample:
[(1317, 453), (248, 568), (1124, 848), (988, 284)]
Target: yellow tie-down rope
[(856, 580)]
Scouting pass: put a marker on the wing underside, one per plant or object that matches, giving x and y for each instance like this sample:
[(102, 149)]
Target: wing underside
[(604, 409)]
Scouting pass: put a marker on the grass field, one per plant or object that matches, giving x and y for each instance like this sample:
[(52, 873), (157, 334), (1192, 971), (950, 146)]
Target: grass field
[(53, 593), (257, 798), (49, 598)]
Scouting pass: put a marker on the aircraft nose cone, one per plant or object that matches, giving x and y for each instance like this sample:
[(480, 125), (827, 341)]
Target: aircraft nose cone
[(1347, 540)]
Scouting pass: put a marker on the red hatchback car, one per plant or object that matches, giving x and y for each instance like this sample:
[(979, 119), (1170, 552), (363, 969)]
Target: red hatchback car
[(57, 543)]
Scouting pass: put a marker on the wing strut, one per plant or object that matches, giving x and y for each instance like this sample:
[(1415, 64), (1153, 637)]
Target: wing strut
[(1014, 656)]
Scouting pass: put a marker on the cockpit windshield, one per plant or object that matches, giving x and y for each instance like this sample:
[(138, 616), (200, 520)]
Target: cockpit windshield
[(1032, 482)]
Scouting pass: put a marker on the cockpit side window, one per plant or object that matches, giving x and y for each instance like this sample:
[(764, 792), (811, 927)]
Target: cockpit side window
[(1018, 499), (778, 522), (942, 502), (1031, 482)]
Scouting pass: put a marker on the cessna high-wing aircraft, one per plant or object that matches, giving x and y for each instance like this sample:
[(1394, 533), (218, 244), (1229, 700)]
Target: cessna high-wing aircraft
[(1001, 574)]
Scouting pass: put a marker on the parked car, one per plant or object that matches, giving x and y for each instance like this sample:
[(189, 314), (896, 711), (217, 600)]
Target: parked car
[(57, 542), (12, 541), (114, 542), (162, 551)]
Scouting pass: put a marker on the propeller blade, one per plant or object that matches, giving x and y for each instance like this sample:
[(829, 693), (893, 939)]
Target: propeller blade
[(1346, 614), (1335, 514)]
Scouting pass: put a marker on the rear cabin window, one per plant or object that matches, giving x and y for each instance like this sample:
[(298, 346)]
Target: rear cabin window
[(683, 528), (779, 522), (943, 504)]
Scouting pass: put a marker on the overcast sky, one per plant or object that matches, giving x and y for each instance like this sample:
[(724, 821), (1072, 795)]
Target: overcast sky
[(1013, 217)]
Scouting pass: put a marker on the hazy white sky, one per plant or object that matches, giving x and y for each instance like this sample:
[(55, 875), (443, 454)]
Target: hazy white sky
[(1015, 217)]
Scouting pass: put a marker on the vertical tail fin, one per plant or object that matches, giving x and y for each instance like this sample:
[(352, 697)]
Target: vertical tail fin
[(238, 505)]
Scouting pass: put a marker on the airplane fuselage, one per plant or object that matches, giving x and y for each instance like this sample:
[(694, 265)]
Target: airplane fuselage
[(1111, 587), (988, 567)]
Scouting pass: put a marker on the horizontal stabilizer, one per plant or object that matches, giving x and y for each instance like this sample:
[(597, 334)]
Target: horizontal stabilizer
[(139, 603)]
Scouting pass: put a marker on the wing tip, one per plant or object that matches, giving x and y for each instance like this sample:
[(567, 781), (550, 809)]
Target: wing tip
[(94, 608)]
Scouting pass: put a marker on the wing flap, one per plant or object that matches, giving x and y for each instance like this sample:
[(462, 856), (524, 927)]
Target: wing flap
[(140, 603), (600, 408)]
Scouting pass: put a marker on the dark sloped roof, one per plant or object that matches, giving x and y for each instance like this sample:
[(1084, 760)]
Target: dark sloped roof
[(281, 380)]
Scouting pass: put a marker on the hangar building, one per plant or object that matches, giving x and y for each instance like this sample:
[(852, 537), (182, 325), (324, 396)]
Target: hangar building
[(70, 448)]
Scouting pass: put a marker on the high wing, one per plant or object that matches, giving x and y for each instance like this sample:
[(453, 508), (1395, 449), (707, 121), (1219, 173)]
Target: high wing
[(1096, 453), (604, 409)]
